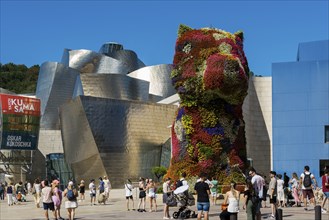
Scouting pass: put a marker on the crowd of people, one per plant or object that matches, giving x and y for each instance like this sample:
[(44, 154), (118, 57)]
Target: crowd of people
[(281, 191)]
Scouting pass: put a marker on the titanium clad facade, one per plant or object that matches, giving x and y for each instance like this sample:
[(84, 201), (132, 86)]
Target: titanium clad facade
[(301, 111), (87, 61), (55, 86), (118, 138), (160, 81), (114, 86)]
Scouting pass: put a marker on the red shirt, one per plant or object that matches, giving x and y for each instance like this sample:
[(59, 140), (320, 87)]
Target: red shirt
[(325, 179)]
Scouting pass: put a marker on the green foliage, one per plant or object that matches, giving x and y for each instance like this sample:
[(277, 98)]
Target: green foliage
[(159, 171), (18, 78)]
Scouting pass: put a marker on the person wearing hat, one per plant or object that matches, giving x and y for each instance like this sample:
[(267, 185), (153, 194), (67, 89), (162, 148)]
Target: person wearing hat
[(57, 198)]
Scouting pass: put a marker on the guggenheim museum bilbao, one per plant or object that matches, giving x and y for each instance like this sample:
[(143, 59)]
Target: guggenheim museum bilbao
[(110, 115)]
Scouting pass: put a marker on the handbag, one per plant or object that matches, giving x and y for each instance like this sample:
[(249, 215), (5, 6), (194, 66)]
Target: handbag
[(171, 200), (224, 206)]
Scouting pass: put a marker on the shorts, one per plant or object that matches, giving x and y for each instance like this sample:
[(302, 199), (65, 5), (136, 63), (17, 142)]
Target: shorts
[(142, 194), (129, 197), (308, 193), (92, 194), (273, 200), (214, 194), (203, 206), (49, 206)]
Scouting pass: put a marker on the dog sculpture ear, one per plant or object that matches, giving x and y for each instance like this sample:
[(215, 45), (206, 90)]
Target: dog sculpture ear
[(239, 34), (182, 29)]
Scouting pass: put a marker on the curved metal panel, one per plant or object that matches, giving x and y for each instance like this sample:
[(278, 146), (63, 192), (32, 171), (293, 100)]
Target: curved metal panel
[(87, 61), (159, 78), (127, 134), (115, 86), (55, 86)]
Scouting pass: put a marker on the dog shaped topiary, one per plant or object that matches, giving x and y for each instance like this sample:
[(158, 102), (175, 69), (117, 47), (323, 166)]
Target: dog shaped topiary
[(211, 76)]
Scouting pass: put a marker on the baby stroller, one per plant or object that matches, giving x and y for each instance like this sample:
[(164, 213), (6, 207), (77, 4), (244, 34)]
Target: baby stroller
[(184, 199), (290, 198)]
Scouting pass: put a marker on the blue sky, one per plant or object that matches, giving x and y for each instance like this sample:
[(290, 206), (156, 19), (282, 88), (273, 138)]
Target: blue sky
[(33, 32)]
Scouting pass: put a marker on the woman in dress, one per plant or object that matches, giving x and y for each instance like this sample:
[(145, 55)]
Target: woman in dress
[(57, 198), (295, 189), (280, 191)]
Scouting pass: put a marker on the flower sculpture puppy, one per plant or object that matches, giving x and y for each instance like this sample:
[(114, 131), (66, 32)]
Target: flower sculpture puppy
[(211, 77)]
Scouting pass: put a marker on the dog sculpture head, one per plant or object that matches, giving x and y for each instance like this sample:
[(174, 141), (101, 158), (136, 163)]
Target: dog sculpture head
[(209, 64)]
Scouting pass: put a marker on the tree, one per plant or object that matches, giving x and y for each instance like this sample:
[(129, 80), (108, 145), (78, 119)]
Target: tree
[(18, 78), (159, 171)]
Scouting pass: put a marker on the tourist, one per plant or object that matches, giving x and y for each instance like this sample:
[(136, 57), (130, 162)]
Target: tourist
[(295, 189), (47, 200), (82, 189), (166, 193), (57, 198), (142, 194), (71, 194), (9, 194), (213, 190), (307, 180), (231, 198), (203, 191), (258, 183), (325, 189), (129, 193), (36, 192), (280, 191), (250, 200), (272, 192), (152, 195), (107, 186), (92, 192), (2, 191)]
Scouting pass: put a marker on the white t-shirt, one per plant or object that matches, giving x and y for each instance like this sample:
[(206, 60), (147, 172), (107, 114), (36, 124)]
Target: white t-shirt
[(92, 188), (302, 178), (46, 195), (129, 189), (258, 183)]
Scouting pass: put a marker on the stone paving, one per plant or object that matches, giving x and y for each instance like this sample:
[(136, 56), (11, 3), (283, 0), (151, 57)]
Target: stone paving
[(116, 209)]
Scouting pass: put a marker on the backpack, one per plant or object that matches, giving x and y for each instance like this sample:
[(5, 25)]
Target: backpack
[(70, 195), (307, 181), (179, 183)]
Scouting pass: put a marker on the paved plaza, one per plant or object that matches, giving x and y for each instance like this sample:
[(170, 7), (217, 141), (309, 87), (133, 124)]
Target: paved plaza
[(116, 209)]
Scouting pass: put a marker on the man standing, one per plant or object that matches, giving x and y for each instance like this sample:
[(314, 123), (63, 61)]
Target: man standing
[(258, 184), (203, 191), (306, 180), (47, 200), (272, 190)]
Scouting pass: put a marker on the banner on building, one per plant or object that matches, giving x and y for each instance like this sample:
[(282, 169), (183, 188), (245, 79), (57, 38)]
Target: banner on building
[(19, 122)]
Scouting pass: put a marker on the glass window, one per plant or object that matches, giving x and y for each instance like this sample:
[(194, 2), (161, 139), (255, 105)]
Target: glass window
[(323, 165), (326, 134)]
